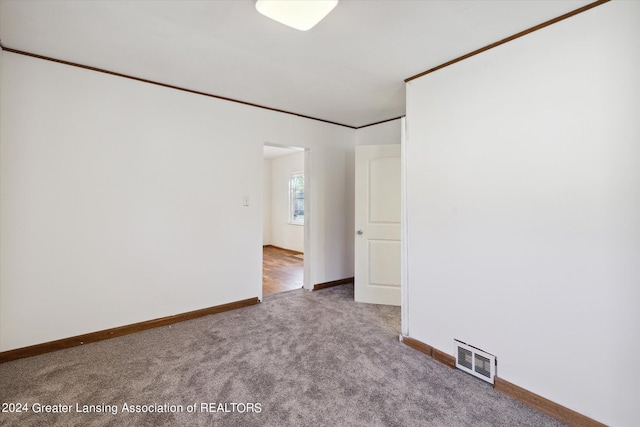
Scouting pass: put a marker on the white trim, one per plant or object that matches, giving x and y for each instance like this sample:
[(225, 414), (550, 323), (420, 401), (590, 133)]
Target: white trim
[(308, 200), (404, 233)]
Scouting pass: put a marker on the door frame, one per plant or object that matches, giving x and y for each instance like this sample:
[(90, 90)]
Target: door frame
[(404, 232), (308, 202)]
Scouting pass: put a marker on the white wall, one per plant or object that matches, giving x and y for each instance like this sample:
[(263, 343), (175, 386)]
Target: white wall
[(122, 201), (380, 134), (284, 234), (524, 209), (1, 92), (266, 201)]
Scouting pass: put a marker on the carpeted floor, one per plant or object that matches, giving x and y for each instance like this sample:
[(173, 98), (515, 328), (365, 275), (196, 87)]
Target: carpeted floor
[(298, 359)]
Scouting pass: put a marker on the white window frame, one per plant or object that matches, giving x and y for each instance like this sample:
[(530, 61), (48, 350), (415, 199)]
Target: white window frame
[(292, 196)]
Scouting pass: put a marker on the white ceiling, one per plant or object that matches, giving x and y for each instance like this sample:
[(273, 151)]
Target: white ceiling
[(349, 69)]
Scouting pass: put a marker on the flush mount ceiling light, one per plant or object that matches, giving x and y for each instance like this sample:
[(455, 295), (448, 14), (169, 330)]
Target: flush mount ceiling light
[(299, 14)]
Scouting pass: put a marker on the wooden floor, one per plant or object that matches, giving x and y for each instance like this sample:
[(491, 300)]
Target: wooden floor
[(281, 270)]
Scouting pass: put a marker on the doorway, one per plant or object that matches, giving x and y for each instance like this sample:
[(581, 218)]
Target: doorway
[(285, 218)]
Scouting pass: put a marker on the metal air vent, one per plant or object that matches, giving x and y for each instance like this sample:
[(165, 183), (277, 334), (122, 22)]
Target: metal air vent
[(474, 361)]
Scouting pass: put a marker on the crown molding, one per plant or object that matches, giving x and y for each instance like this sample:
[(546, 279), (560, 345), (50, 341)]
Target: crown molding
[(508, 39), (153, 82)]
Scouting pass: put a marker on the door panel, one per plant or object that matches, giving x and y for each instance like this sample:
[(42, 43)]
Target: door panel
[(384, 263), (384, 190)]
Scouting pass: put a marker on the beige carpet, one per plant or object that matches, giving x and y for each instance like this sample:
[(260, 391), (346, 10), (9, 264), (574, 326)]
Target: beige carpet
[(297, 359)]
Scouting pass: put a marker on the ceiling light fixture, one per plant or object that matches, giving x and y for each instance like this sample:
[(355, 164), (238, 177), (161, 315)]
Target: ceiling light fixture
[(299, 14)]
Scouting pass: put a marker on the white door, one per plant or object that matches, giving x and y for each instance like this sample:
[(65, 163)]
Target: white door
[(377, 240)]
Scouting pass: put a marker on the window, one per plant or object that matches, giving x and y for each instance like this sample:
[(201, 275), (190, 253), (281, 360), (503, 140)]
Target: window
[(296, 198)]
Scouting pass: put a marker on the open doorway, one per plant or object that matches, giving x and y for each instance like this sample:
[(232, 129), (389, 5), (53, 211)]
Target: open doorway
[(284, 219)]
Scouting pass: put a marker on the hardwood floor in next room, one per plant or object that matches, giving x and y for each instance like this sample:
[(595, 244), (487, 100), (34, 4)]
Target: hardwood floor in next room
[(282, 270)]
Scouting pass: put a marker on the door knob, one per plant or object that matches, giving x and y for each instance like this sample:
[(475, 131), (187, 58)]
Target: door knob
[(359, 232)]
